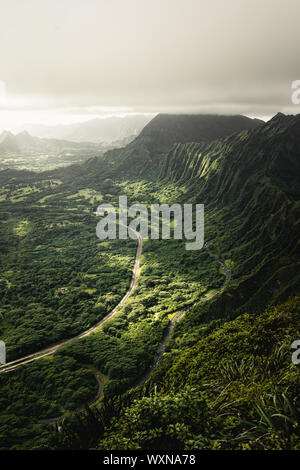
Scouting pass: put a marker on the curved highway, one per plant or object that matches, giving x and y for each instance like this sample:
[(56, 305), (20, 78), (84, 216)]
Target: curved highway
[(52, 349), (162, 347)]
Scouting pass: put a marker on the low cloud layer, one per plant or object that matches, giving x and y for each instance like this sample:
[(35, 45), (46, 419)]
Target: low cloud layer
[(89, 56)]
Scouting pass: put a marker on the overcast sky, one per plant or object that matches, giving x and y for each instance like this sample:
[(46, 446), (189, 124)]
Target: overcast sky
[(73, 59)]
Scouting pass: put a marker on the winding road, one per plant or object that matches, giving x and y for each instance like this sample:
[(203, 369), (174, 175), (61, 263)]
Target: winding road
[(10, 366), (162, 347), (179, 315)]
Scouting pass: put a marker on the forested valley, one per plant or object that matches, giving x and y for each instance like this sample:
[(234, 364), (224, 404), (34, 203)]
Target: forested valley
[(226, 379)]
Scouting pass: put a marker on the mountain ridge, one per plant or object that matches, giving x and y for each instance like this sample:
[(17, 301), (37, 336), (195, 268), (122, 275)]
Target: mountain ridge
[(233, 352), (277, 141), (163, 131)]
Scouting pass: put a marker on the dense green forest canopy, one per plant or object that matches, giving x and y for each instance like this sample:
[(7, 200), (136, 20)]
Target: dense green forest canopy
[(229, 357)]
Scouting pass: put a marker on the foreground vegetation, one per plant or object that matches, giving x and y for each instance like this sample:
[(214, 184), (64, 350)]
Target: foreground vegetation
[(235, 388), (44, 389)]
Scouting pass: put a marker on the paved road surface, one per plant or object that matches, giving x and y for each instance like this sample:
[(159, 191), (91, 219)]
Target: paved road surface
[(162, 347), (52, 349)]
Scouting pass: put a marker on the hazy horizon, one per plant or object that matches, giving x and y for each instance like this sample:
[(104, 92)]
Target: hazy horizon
[(28, 126), (68, 61)]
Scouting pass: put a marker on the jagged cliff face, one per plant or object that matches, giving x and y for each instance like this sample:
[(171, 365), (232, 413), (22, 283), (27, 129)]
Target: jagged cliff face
[(250, 181), (144, 155), (166, 129), (250, 185), (226, 169), (228, 346)]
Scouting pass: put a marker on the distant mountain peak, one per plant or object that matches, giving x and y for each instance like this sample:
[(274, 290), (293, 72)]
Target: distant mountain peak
[(144, 154), (283, 123), (99, 130), (278, 117), (286, 118), (6, 134), (8, 142), (167, 129)]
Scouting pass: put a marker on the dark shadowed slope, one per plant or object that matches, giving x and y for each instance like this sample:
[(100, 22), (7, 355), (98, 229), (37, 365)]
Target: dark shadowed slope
[(144, 154)]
